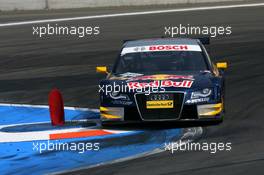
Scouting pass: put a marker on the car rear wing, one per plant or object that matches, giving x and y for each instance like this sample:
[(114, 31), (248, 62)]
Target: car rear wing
[(203, 40)]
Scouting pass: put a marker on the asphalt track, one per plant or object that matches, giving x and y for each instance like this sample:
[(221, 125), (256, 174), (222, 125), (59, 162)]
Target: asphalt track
[(31, 66)]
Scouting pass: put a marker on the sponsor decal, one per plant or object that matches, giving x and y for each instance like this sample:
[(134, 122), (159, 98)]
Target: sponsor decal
[(158, 48), (117, 96), (168, 47), (162, 83), (162, 77), (130, 74), (199, 100), (120, 102), (125, 76), (159, 104)]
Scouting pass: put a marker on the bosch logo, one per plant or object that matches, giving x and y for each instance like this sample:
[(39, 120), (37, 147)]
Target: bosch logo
[(168, 47)]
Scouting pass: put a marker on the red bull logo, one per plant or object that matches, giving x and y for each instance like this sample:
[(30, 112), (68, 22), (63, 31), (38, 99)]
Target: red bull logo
[(162, 83), (162, 77)]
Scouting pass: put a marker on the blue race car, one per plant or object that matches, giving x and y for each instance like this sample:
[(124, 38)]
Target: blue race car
[(164, 79)]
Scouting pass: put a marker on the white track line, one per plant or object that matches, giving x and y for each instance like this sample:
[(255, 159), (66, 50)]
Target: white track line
[(46, 106), (7, 137), (132, 14)]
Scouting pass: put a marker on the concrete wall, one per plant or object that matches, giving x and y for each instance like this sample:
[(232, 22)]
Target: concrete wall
[(63, 4), (56, 4), (6, 5)]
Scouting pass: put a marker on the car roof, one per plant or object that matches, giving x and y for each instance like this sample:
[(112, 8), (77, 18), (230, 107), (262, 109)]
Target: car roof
[(161, 41)]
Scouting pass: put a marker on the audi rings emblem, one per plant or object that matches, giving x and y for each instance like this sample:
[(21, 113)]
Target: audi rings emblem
[(155, 97)]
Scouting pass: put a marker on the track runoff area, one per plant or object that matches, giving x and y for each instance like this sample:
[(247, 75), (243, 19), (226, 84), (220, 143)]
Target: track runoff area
[(27, 137)]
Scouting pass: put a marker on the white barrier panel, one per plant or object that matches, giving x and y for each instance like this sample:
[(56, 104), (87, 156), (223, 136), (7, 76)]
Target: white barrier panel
[(7, 5), (61, 4)]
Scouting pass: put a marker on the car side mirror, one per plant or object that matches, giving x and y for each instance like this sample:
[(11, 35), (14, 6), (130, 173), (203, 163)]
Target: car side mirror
[(102, 69), (221, 65)]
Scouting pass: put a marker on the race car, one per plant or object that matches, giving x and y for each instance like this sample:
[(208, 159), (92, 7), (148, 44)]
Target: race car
[(163, 79)]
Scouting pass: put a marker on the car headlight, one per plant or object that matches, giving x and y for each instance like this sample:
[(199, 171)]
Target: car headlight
[(209, 109), (201, 94), (118, 96)]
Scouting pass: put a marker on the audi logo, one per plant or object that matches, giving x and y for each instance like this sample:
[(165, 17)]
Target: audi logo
[(154, 97)]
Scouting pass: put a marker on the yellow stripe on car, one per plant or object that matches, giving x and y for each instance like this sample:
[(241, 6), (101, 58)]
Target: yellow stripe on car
[(108, 113), (103, 109), (109, 116)]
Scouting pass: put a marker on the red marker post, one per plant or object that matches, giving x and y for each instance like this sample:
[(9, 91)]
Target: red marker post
[(56, 108)]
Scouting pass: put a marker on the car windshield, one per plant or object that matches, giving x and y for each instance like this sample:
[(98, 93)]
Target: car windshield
[(162, 62)]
